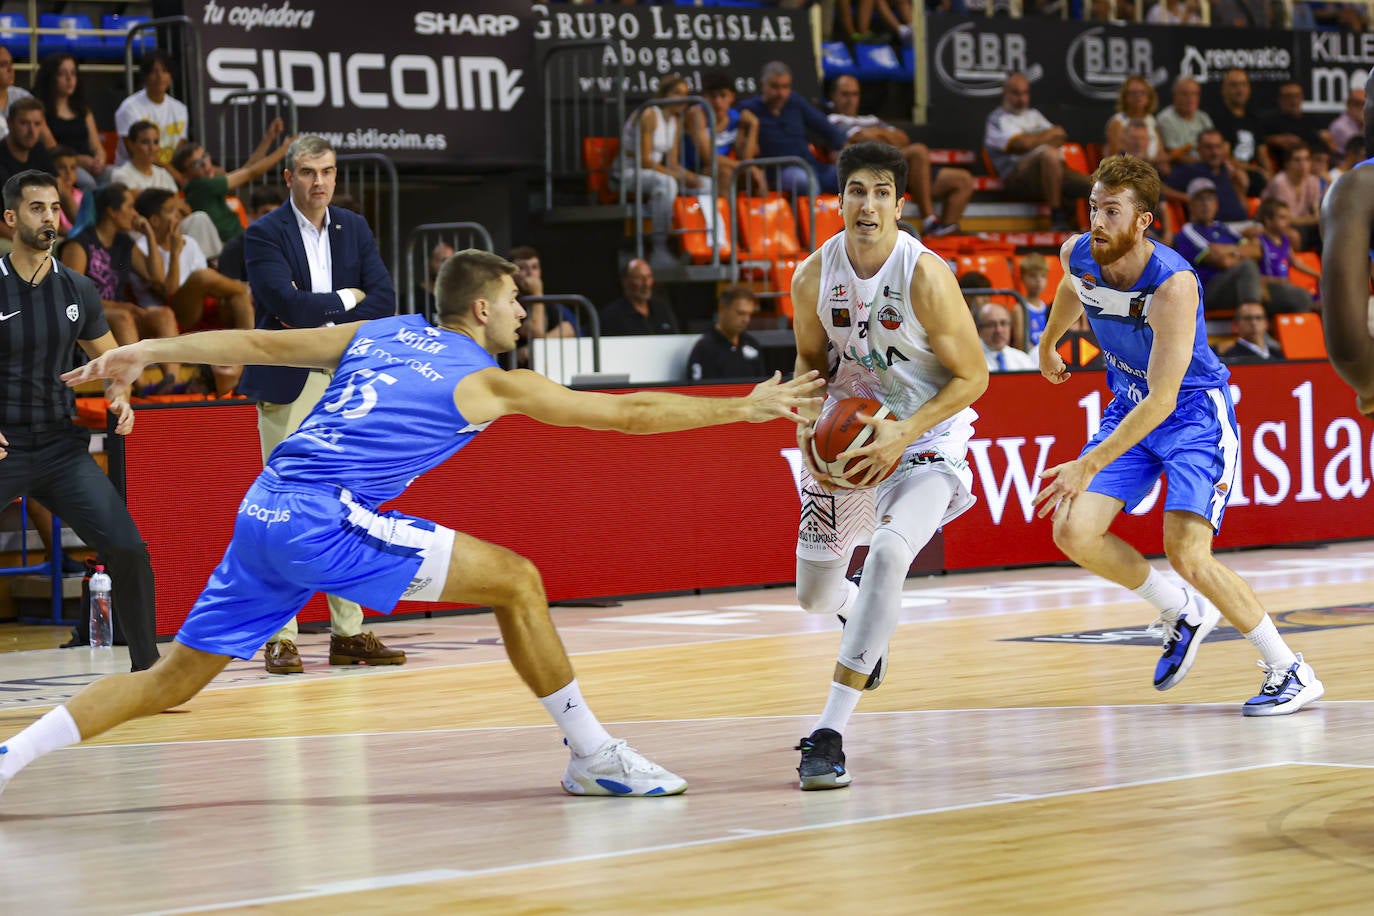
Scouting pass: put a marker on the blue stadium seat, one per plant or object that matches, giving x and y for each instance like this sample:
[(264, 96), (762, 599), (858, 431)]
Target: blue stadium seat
[(79, 46), (876, 62), (114, 44), (836, 60), (14, 33)]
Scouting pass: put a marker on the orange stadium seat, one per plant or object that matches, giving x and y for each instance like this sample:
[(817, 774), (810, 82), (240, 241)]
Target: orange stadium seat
[(767, 229), (829, 220), (781, 279), (1311, 260), (690, 224), (1300, 335), (995, 267), (598, 156)]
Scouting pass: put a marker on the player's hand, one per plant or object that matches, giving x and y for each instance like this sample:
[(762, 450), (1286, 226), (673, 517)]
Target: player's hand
[(122, 365), (882, 451), (117, 396), (4, 446), (795, 399), (1053, 367), (806, 433), (1063, 483)]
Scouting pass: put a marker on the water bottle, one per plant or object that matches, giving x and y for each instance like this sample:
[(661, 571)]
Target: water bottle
[(102, 625)]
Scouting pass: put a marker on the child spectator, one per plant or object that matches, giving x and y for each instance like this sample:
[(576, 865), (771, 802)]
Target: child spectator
[(64, 163), (1035, 276), (140, 170), (1276, 260)]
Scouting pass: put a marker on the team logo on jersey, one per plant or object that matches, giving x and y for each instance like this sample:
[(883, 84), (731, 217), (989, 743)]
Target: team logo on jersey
[(818, 518), (838, 293), (840, 318), (73, 312), (889, 317), (1088, 280), (890, 293), (1137, 306)]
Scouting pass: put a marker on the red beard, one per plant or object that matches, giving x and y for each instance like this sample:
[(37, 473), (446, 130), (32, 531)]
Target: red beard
[(1117, 246)]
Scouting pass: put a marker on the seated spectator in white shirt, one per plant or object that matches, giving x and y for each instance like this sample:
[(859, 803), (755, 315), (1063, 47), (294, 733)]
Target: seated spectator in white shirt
[(152, 103), (1025, 150), (994, 327)]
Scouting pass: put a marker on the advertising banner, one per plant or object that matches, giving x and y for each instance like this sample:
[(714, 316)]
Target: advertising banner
[(402, 79)]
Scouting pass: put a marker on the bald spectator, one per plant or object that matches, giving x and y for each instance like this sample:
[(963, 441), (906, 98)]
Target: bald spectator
[(1025, 151), (1183, 122), (728, 350), (637, 312), (1349, 123), (994, 327), (952, 187)]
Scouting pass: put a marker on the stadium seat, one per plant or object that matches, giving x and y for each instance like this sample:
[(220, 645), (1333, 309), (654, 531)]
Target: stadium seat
[(82, 47), (767, 229), (876, 62), (996, 267), (239, 209), (114, 44), (836, 60), (829, 220), (689, 224), (1312, 261), (1300, 335), (14, 33), (780, 278), (598, 157)]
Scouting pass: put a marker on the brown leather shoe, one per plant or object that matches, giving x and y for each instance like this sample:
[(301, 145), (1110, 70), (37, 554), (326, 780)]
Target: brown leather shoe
[(363, 649), (282, 658)]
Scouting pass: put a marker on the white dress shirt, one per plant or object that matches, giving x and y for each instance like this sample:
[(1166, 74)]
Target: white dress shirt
[(320, 257)]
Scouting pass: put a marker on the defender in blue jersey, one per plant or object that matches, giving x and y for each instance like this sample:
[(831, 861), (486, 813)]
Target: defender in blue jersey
[(405, 396), (1348, 247), (1170, 414)]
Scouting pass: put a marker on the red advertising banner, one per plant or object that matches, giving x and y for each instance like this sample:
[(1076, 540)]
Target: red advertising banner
[(605, 514)]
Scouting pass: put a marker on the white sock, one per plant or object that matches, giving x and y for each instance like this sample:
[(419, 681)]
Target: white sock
[(839, 706), (1162, 592), (574, 718), (55, 730), (1271, 645)]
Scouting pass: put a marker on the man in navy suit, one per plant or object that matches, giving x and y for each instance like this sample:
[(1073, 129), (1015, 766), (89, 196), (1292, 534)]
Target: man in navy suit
[(309, 266)]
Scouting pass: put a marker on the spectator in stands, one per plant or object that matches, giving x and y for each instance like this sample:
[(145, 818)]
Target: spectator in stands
[(1214, 163), (1287, 127), (1301, 191), (1136, 142), (1227, 265), (1035, 276), (1354, 154), (728, 350), (312, 264), (1136, 100), (976, 280), (1242, 128), (23, 147), (953, 187), (1025, 151), (1350, 122), (994, 327), (1253, 344), (261, 201), (208, 186), (1183, 122), (736, 134), (140, 171), (104, 254), (424, 290), (69, 121), (1117, 12), (661, 176), (152, 103), (1174, 12), (1276, 260), (637, 312), (9, 93), (68, 193), (1247, 14), (786, 123), (541, 320), (177, 274)]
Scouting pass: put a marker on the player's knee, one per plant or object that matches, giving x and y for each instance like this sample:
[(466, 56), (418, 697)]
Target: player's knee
[(1188, 562), (888, 554), (820, 590), (524, 585), (1073, 538)]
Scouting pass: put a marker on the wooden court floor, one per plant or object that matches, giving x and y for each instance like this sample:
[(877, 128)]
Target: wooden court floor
[(1016, 761)]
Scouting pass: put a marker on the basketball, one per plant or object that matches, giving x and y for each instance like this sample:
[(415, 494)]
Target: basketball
[(838, 430)]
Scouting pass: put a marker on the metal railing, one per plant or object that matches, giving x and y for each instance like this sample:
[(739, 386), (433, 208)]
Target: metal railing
[(415, 273), (564, 358), (370, 180), (572, 114), (246, 110), (636, 200), (1023, 342)]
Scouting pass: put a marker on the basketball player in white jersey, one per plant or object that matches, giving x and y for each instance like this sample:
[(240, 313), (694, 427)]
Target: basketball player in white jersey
[(882, 317)]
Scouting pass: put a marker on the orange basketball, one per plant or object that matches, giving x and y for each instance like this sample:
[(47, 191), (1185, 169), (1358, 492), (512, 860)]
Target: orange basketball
[(838, 430)]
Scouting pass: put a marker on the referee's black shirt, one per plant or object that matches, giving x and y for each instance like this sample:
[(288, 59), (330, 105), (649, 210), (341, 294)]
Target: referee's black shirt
[(39, 328)]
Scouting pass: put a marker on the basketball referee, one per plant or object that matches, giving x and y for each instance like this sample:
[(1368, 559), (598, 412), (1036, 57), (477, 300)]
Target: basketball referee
[(46, 311)]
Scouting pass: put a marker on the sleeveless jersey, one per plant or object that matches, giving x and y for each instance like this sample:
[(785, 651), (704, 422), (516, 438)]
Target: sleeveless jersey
[(878, 349), (388, 415), (1120, 319)]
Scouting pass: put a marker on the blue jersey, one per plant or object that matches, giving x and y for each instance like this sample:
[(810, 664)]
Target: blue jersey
[(388, 415), (1119, 318)]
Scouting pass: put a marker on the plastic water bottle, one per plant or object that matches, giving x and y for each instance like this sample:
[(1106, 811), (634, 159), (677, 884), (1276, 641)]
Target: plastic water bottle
[(102, 625)]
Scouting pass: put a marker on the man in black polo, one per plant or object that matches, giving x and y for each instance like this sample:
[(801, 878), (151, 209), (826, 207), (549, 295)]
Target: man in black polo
[(46, 312), (728, 350)]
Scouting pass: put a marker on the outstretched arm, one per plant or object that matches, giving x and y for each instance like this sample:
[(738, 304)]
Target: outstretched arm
[(1346, 216), (308, 348), (492, 393)]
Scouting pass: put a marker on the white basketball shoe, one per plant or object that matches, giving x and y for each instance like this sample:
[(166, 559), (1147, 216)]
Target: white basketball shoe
[(618, 769)]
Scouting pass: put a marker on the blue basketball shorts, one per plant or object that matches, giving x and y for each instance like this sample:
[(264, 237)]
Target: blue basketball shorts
[(1196, 449), (291, 541)]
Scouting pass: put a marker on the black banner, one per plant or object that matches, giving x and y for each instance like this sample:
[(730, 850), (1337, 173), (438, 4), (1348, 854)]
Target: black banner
[(653, 41), (400, 78)]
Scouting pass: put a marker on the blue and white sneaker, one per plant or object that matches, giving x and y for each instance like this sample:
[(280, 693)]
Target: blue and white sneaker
[(1182, 639), (1285, 690), (822, 761), (618, 769)]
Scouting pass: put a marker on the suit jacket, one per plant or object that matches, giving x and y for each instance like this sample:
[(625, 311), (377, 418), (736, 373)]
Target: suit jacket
[(279, 275)]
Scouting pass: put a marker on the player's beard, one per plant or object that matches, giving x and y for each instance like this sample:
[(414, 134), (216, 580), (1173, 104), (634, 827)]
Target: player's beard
[(1117, 246)]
